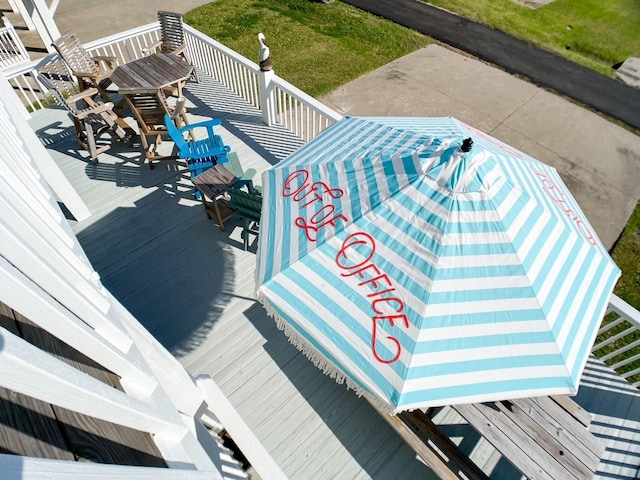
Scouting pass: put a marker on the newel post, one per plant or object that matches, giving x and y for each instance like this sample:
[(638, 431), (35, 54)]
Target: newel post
[(265, 80)]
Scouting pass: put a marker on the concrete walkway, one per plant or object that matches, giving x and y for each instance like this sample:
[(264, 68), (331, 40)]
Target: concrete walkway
[(544, 68), (598, 160), (99, 18)]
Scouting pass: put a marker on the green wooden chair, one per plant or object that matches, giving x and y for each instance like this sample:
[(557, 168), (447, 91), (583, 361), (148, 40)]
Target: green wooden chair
[(245, 177), (248, 205)]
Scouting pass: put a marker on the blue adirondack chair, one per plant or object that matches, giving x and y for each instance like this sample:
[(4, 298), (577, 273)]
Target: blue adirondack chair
[(199, 154)]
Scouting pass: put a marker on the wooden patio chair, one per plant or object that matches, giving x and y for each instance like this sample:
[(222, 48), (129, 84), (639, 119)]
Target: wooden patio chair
[(171, 38), (91, 118), (91, 71), (248, 206), (149, 110)]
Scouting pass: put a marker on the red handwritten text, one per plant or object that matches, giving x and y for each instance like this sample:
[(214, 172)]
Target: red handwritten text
[(355, 259), (557, 195), (297, 186)]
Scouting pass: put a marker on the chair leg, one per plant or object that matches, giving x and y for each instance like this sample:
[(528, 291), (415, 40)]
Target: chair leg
[(145, 146), (91, 141), (216, 208), (245, 233), (194, 73)]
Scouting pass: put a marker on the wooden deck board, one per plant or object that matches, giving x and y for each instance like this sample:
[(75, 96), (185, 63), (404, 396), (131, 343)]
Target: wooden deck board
[(28, 426), (192, 287), (336, 411), (48, 431)]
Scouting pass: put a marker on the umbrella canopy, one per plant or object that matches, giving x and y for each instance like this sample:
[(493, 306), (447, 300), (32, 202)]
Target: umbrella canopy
[(426, 263)]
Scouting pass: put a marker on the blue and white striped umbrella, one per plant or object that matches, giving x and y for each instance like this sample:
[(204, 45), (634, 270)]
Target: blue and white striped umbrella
[(423, 274)]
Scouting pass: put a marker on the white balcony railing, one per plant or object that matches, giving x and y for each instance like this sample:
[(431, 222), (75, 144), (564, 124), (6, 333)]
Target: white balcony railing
[(280, 102), (45, 276), (284, 104), (125, 46), (12, 51), (618, 342)]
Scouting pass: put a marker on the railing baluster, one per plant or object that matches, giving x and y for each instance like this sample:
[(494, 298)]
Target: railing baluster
[(618, 341)]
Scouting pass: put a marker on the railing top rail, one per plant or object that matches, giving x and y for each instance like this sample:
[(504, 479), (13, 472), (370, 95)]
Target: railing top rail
[(24, 68), (101, 42), (296, 92), (622, 308), (222, 48)]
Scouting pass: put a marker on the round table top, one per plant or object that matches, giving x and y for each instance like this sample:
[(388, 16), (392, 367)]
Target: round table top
[(151, 73)]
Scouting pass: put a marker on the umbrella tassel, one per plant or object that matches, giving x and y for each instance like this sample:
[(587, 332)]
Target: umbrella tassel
[(326, 366)]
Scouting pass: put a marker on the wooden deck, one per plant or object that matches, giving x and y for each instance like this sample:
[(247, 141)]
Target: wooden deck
[(35, 428), (192, 286)]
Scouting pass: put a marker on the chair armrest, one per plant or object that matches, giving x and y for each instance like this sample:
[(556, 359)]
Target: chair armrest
[(104, 58), (83, 74), (88, 93), (150, 48), (94, 110), (108, 59), (207, 123), (180, 49)]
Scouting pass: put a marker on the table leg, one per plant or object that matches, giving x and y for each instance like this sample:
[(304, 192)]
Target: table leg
[(218, 214), (204, 204)]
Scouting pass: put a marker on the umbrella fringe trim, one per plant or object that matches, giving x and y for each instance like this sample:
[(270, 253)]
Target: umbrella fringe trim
[(320, 361)]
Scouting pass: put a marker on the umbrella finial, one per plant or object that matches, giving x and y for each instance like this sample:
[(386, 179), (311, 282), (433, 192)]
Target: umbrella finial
[(467, 145)]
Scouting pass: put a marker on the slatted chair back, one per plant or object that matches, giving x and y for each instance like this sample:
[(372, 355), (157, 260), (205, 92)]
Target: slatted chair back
[(74, 54), (175, 134), (150, 109), (172, 39), (200, 154), (55, 93), (171, 32), (248, 206), (245, 177), (94, 71)]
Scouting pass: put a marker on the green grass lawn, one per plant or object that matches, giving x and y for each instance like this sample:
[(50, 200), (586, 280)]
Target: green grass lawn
[(595, 33), (314, 46)]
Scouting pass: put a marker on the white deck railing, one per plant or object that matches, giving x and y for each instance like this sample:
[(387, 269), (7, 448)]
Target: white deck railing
[(280, 102), (618, 341), (237, 73), (45, 276), (12, 51), (125, 46)]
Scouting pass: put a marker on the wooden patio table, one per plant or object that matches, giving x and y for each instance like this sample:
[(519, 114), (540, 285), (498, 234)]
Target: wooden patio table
[(152, 73), (545, 438), (212, 183)]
